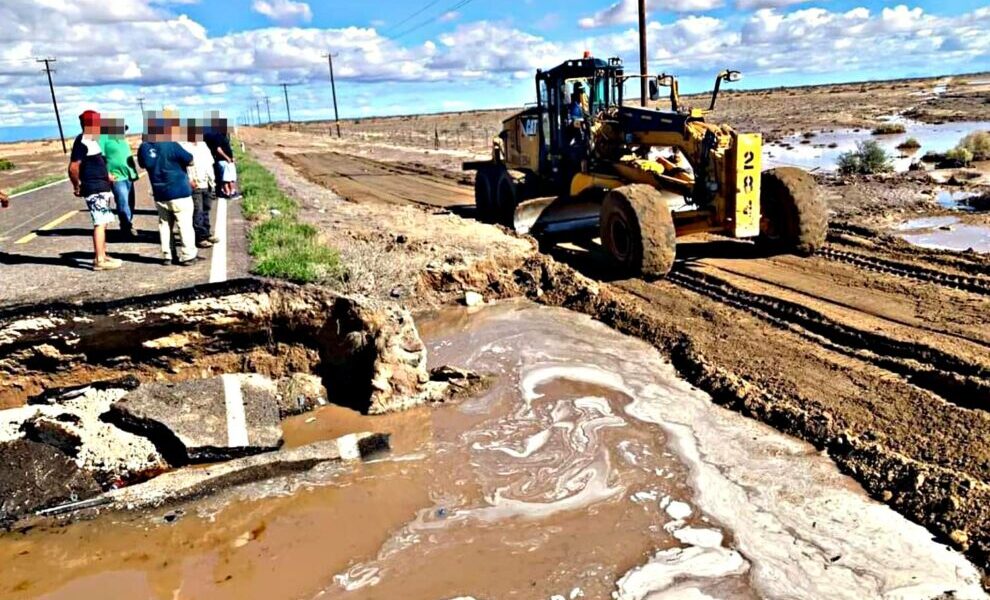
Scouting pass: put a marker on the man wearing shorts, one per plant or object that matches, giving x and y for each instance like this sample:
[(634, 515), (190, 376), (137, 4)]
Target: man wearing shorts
[(91, 180), (218, 140)]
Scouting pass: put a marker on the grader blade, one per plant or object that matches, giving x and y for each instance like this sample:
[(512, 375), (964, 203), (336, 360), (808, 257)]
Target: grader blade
[(552, 215)]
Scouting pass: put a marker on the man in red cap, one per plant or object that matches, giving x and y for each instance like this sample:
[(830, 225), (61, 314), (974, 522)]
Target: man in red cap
[(91, 180)]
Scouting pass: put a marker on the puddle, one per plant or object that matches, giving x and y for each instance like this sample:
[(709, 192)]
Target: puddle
[(955, 200), (817, 154), (588, 469), (945, 233)]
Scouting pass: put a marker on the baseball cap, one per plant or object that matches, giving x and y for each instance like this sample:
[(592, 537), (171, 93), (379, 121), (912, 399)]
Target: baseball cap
[(89, 117)]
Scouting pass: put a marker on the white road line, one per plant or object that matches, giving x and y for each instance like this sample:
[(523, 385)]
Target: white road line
[(218, 264), (31, 191), (237, 433)]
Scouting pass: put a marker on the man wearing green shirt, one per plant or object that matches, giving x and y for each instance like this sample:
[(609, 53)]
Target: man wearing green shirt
[(120, 164)]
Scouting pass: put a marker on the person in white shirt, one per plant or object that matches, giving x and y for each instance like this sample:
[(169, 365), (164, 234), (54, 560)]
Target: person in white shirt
[(202, 175)]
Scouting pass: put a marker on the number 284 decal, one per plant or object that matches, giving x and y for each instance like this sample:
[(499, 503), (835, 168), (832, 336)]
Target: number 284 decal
[(749, 160)]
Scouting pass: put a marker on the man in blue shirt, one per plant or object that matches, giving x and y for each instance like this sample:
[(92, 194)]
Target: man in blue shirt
[(166, 162)]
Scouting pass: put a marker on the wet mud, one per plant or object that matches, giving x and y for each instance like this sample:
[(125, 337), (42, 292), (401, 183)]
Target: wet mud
[(587, 469)]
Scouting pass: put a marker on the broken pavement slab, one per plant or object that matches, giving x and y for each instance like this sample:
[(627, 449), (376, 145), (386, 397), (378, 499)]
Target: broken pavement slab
[(35, 476), (204, 420), (188, 484), (72, 425)]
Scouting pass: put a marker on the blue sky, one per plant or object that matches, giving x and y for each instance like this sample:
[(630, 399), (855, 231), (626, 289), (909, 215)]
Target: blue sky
[(206, 54)]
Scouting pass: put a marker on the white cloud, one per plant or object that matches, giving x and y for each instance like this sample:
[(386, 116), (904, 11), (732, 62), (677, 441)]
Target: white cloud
[(284, 12), (144, 49), (625, 12), (752, 4)]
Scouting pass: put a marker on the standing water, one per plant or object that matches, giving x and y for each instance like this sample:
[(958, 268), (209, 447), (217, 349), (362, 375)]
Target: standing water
[(586, 470), (822, 151)]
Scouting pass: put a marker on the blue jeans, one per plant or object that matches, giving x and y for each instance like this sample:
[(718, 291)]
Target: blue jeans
[(122, 189)]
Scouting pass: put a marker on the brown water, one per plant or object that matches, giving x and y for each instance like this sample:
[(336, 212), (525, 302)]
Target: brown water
[(586, 470)]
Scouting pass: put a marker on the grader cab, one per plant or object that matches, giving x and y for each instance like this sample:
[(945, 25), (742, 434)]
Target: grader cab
[(581, 161)]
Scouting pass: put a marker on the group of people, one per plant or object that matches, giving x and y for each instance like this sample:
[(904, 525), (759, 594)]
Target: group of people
[(189, 163)]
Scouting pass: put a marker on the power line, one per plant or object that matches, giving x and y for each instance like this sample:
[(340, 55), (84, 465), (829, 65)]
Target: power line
[(429, 21), (412, 16), (51, 86)]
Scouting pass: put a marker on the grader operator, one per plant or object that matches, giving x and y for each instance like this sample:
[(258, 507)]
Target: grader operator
[(581, 161)]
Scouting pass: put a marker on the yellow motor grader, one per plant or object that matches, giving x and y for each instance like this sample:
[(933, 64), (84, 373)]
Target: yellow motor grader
[(581, 162)]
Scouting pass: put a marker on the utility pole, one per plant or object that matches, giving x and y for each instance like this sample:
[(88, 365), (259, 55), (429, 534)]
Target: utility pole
[(333, 89), (288, 111), (51, 86), (141, 103), (257, 105), (268, 105), (644, 69)]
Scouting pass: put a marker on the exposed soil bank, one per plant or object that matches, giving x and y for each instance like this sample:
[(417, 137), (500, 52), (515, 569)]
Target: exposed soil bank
[(874, 350)]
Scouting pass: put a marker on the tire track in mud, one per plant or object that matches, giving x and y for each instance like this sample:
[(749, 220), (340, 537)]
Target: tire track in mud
[(955, 380), (880, 241), (975, 285)]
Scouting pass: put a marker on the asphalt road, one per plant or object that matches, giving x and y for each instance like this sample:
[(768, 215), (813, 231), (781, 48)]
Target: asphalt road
[(46, 251)]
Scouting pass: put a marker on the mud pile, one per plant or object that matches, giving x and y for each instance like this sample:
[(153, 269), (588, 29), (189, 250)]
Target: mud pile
[(106, 395)]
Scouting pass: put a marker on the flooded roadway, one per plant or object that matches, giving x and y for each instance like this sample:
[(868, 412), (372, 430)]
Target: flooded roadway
[(586, 470)]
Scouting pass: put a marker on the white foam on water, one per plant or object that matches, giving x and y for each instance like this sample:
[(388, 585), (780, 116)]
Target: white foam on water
[(533, 443), (357, 577), (693, 536), (673, 572), (678, 510), (587, 487)]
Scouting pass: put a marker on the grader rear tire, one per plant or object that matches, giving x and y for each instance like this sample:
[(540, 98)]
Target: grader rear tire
[(794, 218), (637, 230), (506, 196), (484, 195)]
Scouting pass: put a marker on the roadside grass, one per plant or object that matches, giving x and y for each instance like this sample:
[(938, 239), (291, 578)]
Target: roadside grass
[(282, 247), (260, 191), (37, 183)]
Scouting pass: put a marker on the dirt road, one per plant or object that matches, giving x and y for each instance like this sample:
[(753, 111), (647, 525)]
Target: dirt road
[(873, 350), (364, 179)]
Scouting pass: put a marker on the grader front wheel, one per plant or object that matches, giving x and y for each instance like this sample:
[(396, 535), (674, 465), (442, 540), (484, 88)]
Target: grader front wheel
[(793, 216), (637, 230)]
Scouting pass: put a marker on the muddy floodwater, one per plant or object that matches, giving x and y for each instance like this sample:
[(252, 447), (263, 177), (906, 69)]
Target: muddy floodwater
[(587, 469)]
